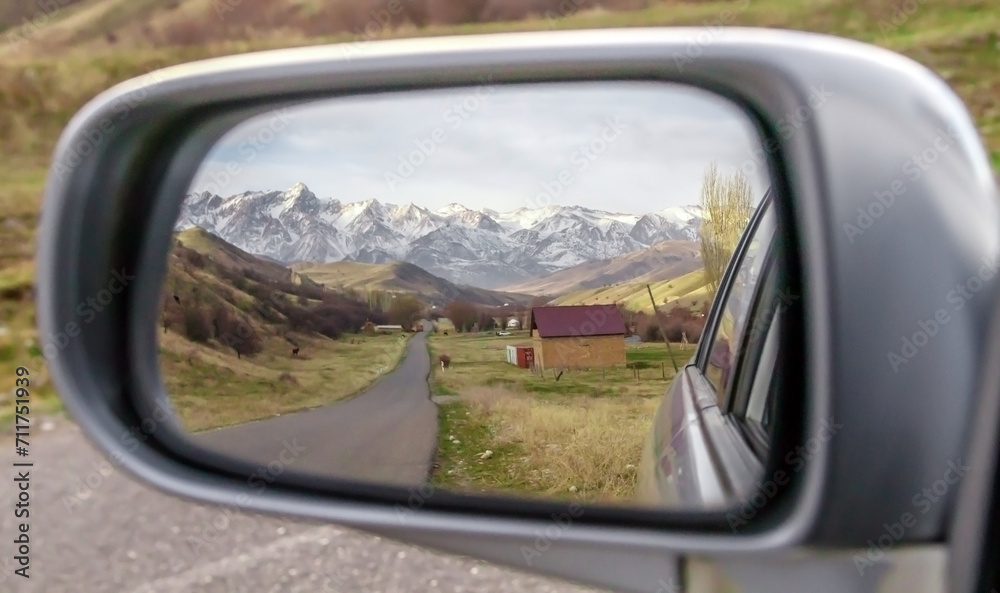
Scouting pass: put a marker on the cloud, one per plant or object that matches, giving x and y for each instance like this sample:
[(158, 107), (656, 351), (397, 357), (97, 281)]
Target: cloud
[(619, 146)]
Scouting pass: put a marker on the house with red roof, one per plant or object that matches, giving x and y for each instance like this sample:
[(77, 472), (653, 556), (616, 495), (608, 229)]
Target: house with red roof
[(577, 336)]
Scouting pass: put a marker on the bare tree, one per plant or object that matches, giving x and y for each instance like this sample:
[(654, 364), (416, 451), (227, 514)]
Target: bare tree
[(727, 205), (462, 315), (405, 310)]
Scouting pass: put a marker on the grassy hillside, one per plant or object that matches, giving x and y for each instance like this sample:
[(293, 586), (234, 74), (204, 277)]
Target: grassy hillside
[(662, 261), (229, 256), (103, 24), (80, 51), (402, 277), (14, 13), (689, 290), (230, 322)]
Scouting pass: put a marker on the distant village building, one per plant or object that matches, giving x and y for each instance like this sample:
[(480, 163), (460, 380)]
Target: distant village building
[(579, 336), (513, 324), (389, 329)]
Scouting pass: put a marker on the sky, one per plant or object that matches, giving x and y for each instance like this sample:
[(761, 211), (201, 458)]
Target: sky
[(630, 147)]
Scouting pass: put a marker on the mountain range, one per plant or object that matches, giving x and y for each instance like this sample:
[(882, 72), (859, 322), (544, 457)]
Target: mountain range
[(483, 247), (402, 277), (663, 261), (394, 277)]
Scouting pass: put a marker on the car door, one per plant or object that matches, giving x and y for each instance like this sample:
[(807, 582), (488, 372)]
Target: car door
[(709, 436)]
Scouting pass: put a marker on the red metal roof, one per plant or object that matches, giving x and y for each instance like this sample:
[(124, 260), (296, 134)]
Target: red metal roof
[(577, 320)]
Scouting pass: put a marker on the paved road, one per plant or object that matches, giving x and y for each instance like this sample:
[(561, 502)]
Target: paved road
[(95, 530), (387, 434)]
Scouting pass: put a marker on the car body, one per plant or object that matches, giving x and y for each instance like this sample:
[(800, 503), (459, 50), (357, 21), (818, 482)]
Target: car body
[(709, 439)]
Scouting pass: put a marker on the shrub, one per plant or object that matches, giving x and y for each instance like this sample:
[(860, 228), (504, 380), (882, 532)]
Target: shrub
[(221, 320), (227, 295), (236, 332), (197, 324), (196, 259), (268, 313), (250, 345)]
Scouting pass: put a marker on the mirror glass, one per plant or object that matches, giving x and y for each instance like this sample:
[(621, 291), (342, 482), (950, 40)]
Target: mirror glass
[(493, 289)]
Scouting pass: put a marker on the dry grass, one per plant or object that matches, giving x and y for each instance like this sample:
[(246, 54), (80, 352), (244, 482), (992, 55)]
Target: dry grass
[(211, 387), (585, 449), (688, 291), (585, 431)]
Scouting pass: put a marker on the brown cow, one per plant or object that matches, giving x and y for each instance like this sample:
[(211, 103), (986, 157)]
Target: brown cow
[(445, 361), (295, 351)]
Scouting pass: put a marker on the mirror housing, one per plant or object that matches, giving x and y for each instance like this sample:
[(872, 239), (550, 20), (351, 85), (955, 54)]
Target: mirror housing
[(863, 178)]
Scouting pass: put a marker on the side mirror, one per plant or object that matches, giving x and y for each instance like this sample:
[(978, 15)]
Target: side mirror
[(273, 335)]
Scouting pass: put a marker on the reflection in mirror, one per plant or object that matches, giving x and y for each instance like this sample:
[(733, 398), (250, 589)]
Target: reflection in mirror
[(494, 289)]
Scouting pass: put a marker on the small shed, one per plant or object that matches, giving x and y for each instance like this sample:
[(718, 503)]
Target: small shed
[(513, 323), (389, 329), (578, 336), (521, 355)]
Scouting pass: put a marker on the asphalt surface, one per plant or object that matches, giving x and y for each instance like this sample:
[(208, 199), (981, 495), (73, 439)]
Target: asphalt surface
[(388, 434), (95, 530)]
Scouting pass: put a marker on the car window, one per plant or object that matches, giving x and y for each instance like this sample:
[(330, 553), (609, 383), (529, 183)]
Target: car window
[(724, 347), (759, 402), (751, 401)]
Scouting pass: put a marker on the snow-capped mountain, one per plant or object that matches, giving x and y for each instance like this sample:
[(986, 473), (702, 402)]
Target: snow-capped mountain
[(483, 247)]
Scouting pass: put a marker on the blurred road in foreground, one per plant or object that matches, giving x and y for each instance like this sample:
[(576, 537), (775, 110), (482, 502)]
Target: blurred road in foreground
[(94, 530)]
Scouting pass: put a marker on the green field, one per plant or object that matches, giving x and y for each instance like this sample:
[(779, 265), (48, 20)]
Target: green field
[(577, 438)]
